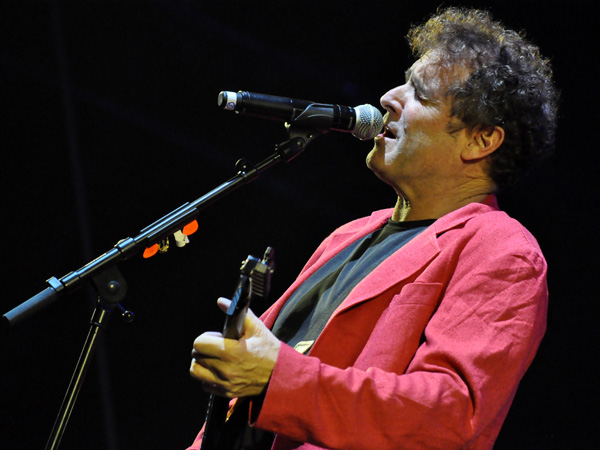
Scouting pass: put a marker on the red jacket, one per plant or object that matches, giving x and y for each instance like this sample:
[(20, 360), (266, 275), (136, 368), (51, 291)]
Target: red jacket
[(427, 351)]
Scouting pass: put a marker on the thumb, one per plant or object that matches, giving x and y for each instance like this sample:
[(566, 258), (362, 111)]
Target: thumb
[(253, 325)]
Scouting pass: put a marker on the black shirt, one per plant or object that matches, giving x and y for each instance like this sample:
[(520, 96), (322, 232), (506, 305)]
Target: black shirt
[(308, 309)]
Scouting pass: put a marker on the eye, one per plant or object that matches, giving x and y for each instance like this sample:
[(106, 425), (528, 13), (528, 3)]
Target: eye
[(416, 92)]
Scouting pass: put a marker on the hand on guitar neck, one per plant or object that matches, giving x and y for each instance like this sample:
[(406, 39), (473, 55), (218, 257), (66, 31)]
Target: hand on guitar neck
[(235, 368), (239, 361)]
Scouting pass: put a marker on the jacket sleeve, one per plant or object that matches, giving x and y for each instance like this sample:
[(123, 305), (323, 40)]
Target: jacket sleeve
[(456, 390)]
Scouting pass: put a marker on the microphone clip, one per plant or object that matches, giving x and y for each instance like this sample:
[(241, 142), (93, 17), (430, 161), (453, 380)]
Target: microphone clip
[(299, 140)]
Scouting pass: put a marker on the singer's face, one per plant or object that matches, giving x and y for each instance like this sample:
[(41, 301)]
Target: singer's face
[(416, 148)]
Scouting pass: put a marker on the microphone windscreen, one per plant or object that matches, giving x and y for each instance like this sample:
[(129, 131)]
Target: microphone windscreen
[(369, 122)]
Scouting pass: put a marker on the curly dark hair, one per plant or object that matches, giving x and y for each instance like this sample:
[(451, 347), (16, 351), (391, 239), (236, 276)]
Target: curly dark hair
[(510, 86)]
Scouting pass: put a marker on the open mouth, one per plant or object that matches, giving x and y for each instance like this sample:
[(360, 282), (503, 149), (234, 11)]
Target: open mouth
[(388, 134)]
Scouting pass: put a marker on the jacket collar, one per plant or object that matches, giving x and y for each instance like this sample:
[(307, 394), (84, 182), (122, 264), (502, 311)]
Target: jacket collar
[(351, 233)]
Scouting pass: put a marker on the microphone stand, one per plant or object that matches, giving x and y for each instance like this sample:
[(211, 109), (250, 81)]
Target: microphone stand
[(111, 287), (109, 283)]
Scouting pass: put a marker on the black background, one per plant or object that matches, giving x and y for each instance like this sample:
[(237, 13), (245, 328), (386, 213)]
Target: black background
[(108, 121)]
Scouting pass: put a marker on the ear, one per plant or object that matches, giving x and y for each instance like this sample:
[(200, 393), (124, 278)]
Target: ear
[(482, 142)]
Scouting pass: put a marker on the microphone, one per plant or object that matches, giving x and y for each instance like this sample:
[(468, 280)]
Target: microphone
[(364, 121)]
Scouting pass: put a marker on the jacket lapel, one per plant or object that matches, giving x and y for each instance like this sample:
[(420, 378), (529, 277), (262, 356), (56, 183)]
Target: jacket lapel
[(411, 258), (395, 269)]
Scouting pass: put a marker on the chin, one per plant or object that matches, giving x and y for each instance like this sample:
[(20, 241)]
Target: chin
[(374, 167), (371, 159)]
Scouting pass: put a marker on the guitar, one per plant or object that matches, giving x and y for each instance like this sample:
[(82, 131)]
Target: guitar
[(254, 280)]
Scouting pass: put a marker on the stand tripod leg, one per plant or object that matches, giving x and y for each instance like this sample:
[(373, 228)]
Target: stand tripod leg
[(97, 324)]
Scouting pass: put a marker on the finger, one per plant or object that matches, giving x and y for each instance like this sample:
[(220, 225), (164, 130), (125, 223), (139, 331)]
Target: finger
[(223, 303), (211, 382), (217, 370), (201, 357), (199, 372), (210, 344)]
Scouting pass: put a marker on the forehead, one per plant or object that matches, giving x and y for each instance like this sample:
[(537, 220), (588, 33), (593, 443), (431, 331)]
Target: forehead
[(432, 72)]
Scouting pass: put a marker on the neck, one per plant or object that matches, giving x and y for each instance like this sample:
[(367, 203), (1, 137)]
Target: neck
[(401, 210), (434, 207)]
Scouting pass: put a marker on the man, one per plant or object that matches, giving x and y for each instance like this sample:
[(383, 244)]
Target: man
[(411, 328)]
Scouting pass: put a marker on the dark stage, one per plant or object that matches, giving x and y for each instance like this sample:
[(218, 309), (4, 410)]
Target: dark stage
[(109, 121)]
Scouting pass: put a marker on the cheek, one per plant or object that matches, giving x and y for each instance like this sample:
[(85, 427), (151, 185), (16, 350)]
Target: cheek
[(411, 142)]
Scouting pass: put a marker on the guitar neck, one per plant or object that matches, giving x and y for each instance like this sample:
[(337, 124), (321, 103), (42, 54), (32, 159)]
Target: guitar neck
[(253, 271)]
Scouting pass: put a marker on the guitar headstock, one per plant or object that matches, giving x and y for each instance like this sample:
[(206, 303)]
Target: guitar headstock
[(260, 278), (255, 280)]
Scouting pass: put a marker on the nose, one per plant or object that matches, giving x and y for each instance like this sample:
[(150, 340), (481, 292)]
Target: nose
[(393, 100)]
